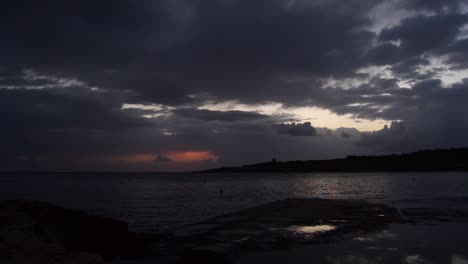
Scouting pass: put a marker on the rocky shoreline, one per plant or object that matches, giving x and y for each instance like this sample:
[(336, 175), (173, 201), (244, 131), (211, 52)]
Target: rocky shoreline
[(37, 232)]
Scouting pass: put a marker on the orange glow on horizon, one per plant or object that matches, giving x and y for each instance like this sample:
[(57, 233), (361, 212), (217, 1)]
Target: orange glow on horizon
[(191, 156), (174, 156)]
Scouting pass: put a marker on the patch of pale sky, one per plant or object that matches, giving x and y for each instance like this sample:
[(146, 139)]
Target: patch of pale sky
[(31, 75), (319, 117), (154, 107), (388, 14), (436, 64), (463, 34), (347, 83), (443, 71)]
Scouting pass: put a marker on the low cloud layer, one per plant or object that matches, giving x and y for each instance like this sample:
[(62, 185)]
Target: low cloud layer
[(293, 129)]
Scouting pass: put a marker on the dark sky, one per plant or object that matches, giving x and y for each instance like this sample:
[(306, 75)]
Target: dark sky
[(186, 84)]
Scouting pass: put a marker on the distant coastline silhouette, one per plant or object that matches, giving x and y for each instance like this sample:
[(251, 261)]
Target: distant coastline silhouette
[(455, 159)]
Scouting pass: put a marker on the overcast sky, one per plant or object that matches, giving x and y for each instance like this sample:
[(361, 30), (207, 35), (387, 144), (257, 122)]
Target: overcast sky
[(179, 85)]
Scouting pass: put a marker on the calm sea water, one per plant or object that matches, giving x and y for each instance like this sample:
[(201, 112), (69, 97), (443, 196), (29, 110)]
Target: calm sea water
[(161, 201)]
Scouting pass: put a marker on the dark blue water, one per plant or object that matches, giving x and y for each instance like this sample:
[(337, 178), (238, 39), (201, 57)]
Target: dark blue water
[(158, 201)]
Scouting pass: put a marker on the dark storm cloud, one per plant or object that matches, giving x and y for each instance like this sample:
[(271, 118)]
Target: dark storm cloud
[(271, 50), (408, 45), (227, 116), (347, 133), (293, 129), (68, 67), (166, 50), (383, 54), (54, 121), (436, 120), (161, 159), (73, 32), (377, 98), (425, 33), (457, 54), (58, 108), (408, 69), (431, 4), (390, 137), (229, 50)]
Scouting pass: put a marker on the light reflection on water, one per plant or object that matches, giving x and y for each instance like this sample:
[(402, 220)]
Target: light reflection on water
[(155, 201), (311, 230)]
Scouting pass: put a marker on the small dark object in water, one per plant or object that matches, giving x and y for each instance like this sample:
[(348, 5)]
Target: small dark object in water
[(414, 179), (221, 191)]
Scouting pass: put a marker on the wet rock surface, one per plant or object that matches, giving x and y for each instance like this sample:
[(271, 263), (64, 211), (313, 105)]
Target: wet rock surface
[(296, 223), (35, 232), (285, 224)]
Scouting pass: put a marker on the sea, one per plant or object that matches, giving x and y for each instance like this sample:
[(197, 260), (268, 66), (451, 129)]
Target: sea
[(155, 202)]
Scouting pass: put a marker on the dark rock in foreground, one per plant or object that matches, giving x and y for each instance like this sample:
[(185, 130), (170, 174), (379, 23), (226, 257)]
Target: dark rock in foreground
[(36, 232), (426, 160)]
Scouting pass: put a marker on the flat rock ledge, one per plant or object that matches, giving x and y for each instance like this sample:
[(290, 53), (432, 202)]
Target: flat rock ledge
[(37, 232), (284, 224)]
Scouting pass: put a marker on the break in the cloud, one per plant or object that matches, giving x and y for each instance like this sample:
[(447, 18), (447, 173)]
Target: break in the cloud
[(182, 85)]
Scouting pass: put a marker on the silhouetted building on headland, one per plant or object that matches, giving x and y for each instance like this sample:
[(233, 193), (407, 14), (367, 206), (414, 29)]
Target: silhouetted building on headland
[(427, 160)]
